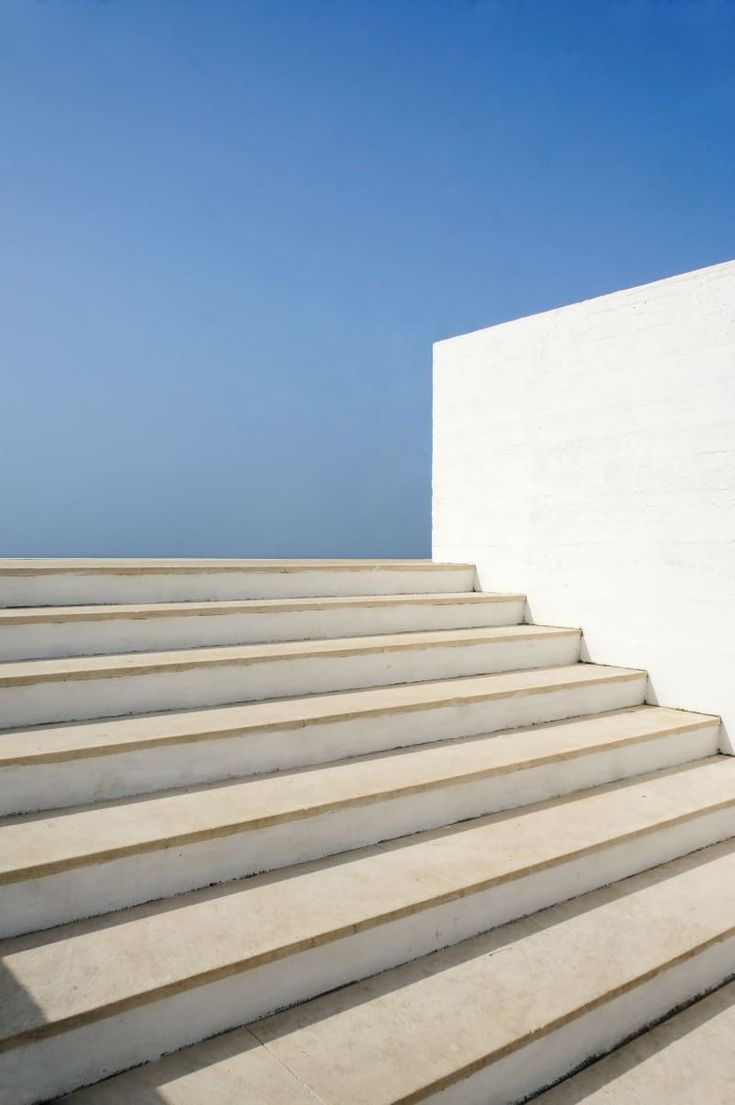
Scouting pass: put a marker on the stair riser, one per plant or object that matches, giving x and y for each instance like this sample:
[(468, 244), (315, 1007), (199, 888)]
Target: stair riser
[(221, 683), (509, 1080), (86, 891), (147, 634), (61, 1062), (94, 778), (88, 588)]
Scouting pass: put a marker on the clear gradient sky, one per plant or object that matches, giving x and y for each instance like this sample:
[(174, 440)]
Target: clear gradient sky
[(231, 230)]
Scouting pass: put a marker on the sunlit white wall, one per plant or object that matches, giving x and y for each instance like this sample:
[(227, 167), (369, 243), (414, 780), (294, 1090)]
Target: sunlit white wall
[(587, 457)]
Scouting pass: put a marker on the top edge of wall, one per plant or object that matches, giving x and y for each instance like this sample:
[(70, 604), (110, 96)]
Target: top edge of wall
[(581, 303)]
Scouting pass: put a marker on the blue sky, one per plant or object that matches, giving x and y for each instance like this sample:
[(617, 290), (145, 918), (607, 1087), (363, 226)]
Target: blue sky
[(231, 230)]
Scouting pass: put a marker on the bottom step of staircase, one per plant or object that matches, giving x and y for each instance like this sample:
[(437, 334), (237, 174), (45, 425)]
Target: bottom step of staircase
[(489, 1021)]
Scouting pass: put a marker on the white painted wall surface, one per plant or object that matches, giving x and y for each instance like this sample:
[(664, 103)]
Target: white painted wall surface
[(586, 456)]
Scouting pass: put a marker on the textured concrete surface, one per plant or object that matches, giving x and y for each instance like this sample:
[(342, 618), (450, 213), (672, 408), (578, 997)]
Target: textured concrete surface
[(54, 631), (687, 1060), (422, 1028), (78, 970), (51, 743), (38, 845), (66, 689), (587, 456), (58, 582), (374, 828)]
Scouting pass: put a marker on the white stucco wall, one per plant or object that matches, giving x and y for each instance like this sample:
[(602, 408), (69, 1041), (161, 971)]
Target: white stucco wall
[(586, 456)]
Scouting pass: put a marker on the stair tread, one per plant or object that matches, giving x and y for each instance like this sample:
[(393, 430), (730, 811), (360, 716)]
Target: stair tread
[(79, 971), (40, 845), (231, 1069), (688, 1058), (65, 741), (31, 615), (19, 673), (384, 1040), (141, 565)]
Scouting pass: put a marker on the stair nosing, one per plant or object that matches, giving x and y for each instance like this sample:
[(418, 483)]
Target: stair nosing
[(409, 979), (152, 663), (305, 813), (241, 729), (12, 566), (347, 928), (521, 1041), (646, 1047), (39, 615)]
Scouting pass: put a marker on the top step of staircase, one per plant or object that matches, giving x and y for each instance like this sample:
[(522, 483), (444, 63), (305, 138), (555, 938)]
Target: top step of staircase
[(51, 582)]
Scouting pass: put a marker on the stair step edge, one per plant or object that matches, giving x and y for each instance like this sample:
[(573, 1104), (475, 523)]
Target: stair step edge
[(392, 1026), (513, 752), (206, 723), (353, 894), (17, 673), (214, 607)]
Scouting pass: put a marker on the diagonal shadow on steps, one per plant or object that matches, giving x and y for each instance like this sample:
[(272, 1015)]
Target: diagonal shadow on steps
[(485, 944), (640, 1049), (16, 1005)]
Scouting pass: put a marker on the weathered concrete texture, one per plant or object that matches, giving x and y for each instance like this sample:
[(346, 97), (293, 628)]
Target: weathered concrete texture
[(476, 1024), (36, 691), (687, 1059), (52, 631), (587, 455), (366, 838), (47, 582)]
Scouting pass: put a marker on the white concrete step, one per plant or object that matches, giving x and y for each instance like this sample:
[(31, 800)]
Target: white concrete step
[(99, 858), (33, 692), (71, 582), (81, 1001), (498, 1017), (42, 632), (67, 765), (688, 1059)]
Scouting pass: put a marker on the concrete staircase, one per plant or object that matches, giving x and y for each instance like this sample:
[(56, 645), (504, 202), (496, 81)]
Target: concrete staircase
[(344, 833)]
